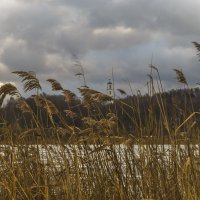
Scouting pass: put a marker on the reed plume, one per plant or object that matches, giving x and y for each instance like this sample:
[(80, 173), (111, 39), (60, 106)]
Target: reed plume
[(8, 89), (106, 125), (90, 96), (51, 108), (122, 92), (70, 113), (69, 96), (86, 93), (197, 45), (100, 97), (29, 79), (89, 121), (23, 106), (112, 118), (180, 76), (46, 104), (39, 101), (56, 86)]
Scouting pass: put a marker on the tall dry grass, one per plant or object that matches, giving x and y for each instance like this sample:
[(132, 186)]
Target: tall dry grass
[(94, 163)]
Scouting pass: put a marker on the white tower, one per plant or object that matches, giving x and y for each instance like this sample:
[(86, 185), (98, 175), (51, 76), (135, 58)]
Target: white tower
[(110, 88)]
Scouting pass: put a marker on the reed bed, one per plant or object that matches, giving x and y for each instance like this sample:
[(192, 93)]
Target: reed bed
[(99, 171), (157, 160)]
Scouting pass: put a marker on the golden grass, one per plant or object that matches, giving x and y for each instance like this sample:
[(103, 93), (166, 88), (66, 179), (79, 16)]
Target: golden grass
[(93, 162), (100, 171)]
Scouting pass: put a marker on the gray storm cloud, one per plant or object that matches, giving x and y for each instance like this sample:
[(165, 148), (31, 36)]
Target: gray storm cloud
[(121, 34)]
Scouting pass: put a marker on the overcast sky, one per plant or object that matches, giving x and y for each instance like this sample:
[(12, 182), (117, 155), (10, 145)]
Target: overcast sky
[(42, 36)]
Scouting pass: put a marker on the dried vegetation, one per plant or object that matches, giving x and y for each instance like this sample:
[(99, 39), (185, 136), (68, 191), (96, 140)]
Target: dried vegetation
[(157, 161)]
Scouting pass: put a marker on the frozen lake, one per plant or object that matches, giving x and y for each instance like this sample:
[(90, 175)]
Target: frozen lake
[(59, 153)]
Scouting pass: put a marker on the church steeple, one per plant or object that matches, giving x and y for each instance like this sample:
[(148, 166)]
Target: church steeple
[(110, 88)]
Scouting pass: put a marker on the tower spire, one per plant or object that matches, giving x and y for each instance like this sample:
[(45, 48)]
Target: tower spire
[(110, 88)]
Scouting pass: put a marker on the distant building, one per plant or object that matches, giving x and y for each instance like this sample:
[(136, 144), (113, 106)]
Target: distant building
[(110, 88)]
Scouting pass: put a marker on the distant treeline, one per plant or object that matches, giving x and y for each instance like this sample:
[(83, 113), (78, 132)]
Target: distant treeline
[(133, 112)]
